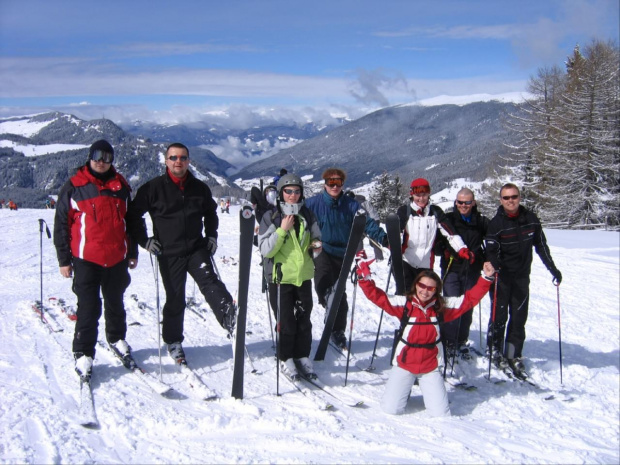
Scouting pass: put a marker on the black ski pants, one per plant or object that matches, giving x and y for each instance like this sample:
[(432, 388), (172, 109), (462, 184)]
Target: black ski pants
[(90, 281), (173, 271), (513, 297), (326, 271), (455, 284), (295, 327), (410, 273)]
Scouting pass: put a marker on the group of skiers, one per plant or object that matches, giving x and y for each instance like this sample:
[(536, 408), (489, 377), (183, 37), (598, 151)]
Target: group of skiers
[(98, 228)]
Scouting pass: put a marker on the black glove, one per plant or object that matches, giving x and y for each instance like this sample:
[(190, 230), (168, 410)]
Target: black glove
[(211, 245), (153, 246), (557, 276)]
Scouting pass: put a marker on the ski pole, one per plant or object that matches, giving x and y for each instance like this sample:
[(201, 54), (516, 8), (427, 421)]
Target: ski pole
[(266, 292), (493, 321), (278, 280), (354, 281), (480, 322), (374, 349), (49, 236), (559, 330), (155, 268)]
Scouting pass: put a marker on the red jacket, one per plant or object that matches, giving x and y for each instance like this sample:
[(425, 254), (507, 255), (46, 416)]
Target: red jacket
[(90, 220), (423, 325)]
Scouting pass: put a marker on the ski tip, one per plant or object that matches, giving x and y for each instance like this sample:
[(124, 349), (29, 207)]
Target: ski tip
[(94, 425)]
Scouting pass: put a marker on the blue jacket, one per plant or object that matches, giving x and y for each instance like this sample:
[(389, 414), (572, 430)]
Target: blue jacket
[(335, 218)]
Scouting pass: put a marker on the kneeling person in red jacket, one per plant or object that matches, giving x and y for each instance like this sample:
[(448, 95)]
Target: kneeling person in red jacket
[(419, 353)]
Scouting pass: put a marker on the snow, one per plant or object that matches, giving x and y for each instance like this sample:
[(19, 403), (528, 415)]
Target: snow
[(22, 126), (31, 150), (505, 423)]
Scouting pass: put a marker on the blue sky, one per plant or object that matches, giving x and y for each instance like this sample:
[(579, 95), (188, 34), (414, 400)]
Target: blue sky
[(174, 60)]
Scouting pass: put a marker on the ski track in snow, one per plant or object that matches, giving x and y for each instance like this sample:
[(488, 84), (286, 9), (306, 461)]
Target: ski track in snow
[(497, 423)]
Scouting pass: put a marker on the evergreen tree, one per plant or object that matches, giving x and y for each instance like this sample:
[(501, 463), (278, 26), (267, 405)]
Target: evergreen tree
[(387, 195)]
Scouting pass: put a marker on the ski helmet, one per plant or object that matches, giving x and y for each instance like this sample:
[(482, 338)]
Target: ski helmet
[(290, 180), (285, 181)]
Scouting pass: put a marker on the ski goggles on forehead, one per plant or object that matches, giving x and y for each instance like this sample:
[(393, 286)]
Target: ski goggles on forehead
[(417, 190), (100, 155), (334, 182)]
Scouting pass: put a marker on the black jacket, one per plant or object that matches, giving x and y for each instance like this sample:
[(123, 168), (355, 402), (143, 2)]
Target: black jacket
[(510, 240), (179, 216), (473, 233)]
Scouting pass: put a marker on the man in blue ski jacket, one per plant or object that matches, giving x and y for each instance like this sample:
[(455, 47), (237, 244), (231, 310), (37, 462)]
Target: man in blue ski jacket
[(335, 212)]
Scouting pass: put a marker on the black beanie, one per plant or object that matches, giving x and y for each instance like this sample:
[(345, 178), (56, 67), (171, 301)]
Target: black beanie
[(102, 145)]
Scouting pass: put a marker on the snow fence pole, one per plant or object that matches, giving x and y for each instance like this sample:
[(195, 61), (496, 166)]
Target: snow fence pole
[(493, 321), (47, 230), (557, 286), (278, 280)]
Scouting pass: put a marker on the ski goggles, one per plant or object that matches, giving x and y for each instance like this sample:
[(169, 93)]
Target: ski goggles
[(100, 155), (425, 287), (334, 182), (418, 190), (292, 191)]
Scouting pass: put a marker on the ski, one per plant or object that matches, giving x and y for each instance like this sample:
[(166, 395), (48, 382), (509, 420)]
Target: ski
[(86, 413), (196, 383), (392, 226), (246, 227), (46, 318), (462, 385), (318, 384), (61, 304), (339, 288), (309, 393), (145, 377)]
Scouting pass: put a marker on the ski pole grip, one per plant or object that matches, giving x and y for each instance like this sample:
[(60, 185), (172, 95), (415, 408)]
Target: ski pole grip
[(278, 273), (41, 221)]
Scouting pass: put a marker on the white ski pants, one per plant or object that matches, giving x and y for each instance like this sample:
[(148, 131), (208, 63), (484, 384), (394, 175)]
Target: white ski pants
[(398, 389)]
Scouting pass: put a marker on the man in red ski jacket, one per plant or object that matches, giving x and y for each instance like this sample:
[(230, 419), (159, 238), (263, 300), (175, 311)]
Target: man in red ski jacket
[(92, 245)]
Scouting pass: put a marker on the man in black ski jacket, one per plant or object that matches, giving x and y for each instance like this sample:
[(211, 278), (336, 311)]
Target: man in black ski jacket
[(181, 207), (511, 235), (460, 275)]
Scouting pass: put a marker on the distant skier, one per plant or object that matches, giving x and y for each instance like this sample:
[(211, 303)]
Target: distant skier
[(93, 246), (419, 353)]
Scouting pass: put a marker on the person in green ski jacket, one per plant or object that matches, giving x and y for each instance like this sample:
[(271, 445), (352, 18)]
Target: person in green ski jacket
[(288, 238)]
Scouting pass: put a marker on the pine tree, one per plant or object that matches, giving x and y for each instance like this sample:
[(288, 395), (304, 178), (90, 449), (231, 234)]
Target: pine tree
[(387, 195)]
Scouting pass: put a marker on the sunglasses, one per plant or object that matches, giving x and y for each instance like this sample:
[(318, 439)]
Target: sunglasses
[(419, 190), (425, 287), (100, 155), (510, 197), (175, 158), (464, 202), (292, 191), (334, 182)]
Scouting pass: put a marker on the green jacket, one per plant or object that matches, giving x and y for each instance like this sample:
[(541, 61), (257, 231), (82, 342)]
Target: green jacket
[(290, 249)]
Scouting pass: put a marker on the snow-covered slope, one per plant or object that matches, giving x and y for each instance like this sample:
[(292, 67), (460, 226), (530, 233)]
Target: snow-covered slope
[(507, 423)]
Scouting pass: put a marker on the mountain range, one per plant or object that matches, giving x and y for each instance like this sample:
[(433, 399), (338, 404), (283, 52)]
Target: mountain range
[(39, 153)]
